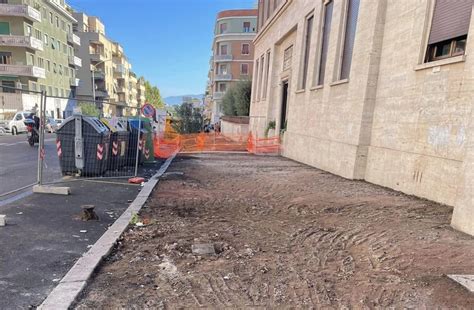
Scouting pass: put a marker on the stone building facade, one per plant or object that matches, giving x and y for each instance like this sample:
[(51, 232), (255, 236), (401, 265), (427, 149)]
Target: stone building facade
[(375, 90)]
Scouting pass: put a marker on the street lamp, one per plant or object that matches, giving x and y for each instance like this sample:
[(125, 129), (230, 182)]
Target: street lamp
[(93, 83)]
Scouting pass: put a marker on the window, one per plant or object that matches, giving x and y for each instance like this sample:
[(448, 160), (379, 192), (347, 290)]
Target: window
[(245, 49), (255, 83), (287, 58), (326, 31), (449, 29), (223, 69), (349, 38), (46, 39), (222, 28), (63, 25), (223, 49), (48, 65), (31, 60), (55, 68), (40, 62), (244, 69), (5, 58), (307, 48), (53, 43), (51, 18), (28, 30), (267, 73), (57, 21), (222, 87), (246, 26), (4, 28), (260, 76)]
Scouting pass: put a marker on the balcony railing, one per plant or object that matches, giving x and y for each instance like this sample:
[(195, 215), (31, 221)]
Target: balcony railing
[(74, 82), (223, 58), (21, 41), (96, 57), (20, 10), (121, 89), (101, 93), (99, 75), (218, 95), (20, 70), (74, 39), (75, 61), (223, 77)]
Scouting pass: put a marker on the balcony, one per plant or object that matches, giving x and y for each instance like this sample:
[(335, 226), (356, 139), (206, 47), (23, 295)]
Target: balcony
[(218, 95), (218, 58), (100, 93), (74, 82), (20, 70), (121, 89), (119, 71), (21, 41), (75, 61), (99, 75), (223, 77), (97, 57), (20, 10), (73, 39)]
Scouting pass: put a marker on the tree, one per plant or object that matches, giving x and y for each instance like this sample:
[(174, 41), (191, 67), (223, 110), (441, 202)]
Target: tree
[(153, 96), (236, 101), (190, 119), (89, 109)]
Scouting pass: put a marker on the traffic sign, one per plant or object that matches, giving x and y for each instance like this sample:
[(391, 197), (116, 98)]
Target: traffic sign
[(148, 110)]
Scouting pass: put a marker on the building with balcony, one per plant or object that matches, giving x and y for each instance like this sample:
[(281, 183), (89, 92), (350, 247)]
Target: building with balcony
[(36, 53), (232, 56), (141, 89), (373, 90), (97, 71)]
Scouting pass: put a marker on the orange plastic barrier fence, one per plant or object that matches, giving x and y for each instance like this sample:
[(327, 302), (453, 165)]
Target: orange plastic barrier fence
[(170, 144)]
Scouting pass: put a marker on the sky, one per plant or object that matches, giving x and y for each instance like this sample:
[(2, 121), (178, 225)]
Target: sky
[(167, 41)]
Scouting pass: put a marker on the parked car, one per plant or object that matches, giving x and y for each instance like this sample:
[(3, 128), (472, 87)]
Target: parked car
[(51, 125), (16, 124)]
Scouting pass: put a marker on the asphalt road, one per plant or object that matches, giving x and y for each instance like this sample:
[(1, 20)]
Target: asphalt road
[(19, 162)]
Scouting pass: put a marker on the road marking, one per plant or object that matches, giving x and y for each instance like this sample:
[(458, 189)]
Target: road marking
[(23, 142)]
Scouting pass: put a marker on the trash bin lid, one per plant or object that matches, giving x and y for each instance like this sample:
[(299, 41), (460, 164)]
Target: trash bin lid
[(96, 124)]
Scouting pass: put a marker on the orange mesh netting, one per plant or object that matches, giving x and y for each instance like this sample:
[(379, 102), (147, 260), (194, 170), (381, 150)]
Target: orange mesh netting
[(171, 142)]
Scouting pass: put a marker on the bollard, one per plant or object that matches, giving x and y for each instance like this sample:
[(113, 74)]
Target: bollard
[(3, 220)]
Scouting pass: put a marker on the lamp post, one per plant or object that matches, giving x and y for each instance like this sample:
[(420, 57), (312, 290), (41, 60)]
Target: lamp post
[(93, 83)]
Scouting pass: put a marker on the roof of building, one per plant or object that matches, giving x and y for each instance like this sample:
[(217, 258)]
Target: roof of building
[(237, 13)]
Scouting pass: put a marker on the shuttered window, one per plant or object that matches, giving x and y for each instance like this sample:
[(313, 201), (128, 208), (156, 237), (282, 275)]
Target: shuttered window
[(325, 41), (349, 37), (4, 28), (451, 19), (449, 29)]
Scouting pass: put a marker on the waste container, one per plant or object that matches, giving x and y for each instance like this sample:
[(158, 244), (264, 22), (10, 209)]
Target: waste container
[(83, 146), (133, 143), (149, 146), (119, 140)]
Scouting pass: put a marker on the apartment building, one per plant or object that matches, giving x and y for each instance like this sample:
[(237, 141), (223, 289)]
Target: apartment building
[(373, 90), (141, 92), (232, 54), (37, 53), (106, 75)]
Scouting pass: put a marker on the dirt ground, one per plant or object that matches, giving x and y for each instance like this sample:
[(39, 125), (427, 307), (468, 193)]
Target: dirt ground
[(286, 235)]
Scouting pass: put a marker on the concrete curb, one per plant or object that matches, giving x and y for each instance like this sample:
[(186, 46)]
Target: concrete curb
[(66, 292), (465, 280)]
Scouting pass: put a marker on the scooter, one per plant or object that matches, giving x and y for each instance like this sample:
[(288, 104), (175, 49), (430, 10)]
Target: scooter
[(32, 132)]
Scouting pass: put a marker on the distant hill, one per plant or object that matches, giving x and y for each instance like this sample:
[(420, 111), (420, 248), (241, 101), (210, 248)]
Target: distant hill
[(176, 100)]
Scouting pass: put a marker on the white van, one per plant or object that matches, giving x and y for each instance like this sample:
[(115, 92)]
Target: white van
[(15, 124)]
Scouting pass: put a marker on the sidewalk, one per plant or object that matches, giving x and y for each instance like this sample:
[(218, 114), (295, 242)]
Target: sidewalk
[(284, 235), (45, 236)]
